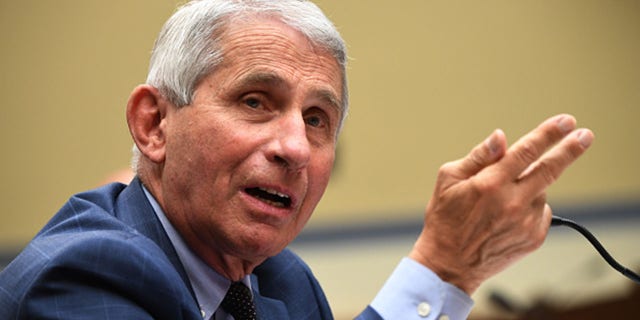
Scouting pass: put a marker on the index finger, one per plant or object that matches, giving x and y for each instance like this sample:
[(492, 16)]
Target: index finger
[(550, 166), (528, 149)]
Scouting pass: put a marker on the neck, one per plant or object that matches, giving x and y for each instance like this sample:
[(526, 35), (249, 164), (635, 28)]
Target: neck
[(223, 260), (227, 265)]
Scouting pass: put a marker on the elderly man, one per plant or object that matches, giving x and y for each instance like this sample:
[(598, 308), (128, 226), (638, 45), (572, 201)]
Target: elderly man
[(235, 134)]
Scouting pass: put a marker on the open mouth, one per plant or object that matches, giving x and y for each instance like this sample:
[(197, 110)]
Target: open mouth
[(270, 197)]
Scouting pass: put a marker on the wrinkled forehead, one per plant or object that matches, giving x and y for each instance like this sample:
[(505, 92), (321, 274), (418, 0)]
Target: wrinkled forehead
[(323, 45), (262, 38)]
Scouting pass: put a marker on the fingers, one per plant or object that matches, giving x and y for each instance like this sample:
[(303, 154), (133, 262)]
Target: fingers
[(550, 166), (497, 205), (533, 145), (543, 214), (483, 155)]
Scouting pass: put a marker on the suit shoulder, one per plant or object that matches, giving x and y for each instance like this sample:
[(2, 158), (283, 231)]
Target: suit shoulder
[(102, 253), (84, 267), (90, 210)]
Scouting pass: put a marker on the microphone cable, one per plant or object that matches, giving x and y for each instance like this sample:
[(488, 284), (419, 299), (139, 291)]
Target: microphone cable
[(559, 221)]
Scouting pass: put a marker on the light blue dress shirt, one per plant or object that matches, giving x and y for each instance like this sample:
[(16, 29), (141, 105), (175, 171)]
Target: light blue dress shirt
[(411, 292)]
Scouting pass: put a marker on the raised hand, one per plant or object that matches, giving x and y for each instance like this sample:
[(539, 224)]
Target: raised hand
[(489, 208)]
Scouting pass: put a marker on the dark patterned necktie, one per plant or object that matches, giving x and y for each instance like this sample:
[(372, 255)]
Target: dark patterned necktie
[(239, 303)]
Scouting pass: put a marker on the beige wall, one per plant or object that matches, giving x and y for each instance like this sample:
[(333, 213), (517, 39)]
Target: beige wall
[(428, 80)]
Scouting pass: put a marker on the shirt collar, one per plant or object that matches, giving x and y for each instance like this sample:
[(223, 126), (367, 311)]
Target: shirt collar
[(209, 286)]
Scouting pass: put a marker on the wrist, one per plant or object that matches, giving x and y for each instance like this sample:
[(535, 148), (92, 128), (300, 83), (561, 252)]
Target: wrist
[(459, 278)]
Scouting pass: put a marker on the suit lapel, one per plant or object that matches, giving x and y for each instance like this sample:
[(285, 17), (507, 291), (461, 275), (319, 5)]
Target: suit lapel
[(134, 209), (266, 307), (286, 289)]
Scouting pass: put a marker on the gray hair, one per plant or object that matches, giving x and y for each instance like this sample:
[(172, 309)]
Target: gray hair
[(188, 48)]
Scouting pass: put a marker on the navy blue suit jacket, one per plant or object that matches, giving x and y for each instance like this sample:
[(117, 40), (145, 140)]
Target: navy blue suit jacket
[(105, 255)]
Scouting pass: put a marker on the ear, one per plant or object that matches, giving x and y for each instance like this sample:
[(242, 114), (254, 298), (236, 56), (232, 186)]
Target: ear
[(146, 111)]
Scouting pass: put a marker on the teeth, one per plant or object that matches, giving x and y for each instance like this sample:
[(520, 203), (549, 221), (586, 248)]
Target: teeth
[(270, 196), (274, 192), (274, 203)]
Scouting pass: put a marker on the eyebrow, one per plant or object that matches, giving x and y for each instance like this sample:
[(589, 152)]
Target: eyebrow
[(273, 79), (330, 98), (262, 78)]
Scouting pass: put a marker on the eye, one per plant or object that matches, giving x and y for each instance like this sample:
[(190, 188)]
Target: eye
[(314, 121), (317, 118), (253, 103), (320, 125)]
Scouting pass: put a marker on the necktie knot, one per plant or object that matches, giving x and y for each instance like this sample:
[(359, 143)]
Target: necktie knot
[(239, 303)]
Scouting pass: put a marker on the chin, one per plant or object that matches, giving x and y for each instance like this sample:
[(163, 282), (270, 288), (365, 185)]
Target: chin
[(262, 245)]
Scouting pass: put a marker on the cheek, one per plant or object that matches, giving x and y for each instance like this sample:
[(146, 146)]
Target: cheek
[(206, 148), (319, 175), (325, 165)]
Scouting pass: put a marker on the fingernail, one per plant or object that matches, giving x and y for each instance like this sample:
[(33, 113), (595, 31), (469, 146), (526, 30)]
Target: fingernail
[(566, 123), (493, 143), (585, 137)]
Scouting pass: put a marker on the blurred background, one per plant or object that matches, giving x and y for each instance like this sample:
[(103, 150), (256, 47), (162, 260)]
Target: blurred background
[(428, 81)]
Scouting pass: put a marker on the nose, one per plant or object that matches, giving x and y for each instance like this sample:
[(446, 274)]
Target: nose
[(290, 146)]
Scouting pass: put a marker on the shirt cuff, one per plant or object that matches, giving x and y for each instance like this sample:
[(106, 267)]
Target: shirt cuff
[(413, 291)]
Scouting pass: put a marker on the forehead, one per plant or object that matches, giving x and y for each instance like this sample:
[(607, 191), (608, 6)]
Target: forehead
[(267, 45)]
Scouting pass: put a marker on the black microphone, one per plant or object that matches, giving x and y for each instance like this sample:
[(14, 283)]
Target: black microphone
[(559, 221)]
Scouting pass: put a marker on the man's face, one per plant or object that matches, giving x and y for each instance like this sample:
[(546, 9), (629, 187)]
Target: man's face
[(247, 162)]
